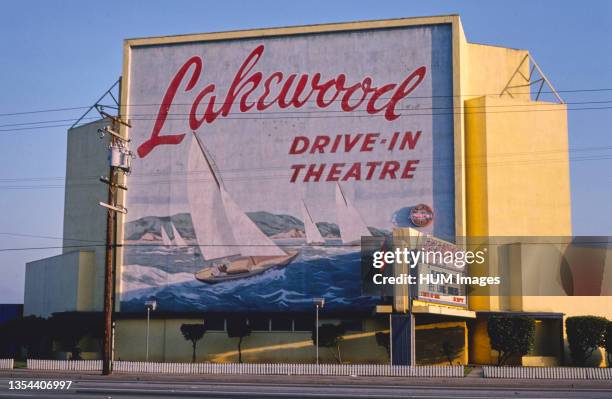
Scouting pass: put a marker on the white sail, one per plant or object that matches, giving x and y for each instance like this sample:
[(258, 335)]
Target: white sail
[(251, 240), (166, 240), (178, 240), (313, 235), (212, 229), (352, 227), (217, 219)]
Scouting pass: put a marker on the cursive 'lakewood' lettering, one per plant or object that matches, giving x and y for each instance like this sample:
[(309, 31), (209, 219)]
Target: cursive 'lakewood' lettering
[(251, 90)]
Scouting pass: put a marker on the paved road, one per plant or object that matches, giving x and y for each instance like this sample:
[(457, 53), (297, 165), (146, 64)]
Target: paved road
[(123, 388)]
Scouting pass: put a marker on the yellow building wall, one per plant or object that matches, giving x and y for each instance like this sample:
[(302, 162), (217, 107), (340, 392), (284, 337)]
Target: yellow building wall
[(574, 306), (519, 154), (489, 70), (512, 186), (518, 184), (517, 175), (480, 344), (546, 351)]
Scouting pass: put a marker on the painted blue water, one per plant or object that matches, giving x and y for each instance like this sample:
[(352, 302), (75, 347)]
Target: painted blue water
[(332, 273)]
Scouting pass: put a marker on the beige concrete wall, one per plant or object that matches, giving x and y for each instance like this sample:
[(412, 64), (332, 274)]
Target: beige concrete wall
[(51, 285), (86, 281), (168, 345), (58, 284), (84, 219), (75, 280)]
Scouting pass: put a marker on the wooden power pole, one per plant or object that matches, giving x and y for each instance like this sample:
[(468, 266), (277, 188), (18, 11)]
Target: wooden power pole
[(119, 162)]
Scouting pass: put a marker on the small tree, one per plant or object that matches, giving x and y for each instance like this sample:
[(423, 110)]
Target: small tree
[(382, 339), (608, 343), (450, 351), (193, 333), (511, 336), (584, 335), (330, 336), (238, 327)]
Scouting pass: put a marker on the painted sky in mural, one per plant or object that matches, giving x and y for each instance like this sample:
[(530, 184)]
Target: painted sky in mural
[(261, 162)]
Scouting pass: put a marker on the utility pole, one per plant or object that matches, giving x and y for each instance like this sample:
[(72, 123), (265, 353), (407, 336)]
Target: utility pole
[(119, 157)]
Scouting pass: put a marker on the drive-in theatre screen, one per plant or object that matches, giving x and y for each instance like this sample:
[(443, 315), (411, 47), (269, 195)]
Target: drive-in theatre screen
[(261, 162)]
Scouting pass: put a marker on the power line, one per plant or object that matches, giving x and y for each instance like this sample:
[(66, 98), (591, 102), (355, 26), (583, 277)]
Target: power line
[(153, 116), (42, 111), (558, 109), (48, 121), (49, 237), (591, 90), (327, 245), (170, 173), (287, 175)]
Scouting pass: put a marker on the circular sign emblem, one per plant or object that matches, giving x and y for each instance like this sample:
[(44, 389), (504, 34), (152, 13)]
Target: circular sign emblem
[(421, 215)]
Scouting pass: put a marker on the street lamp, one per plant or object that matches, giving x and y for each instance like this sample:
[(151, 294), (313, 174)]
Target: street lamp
[(319, 302), (150, 305)]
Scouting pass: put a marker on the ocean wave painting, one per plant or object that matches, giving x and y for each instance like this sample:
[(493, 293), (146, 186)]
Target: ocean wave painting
[(167, 273)]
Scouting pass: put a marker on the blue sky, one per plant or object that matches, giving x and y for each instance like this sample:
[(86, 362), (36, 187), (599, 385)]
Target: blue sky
[(65, 54)]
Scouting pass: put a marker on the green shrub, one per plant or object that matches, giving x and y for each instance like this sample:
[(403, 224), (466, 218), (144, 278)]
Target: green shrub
[(584, 335), (511, 336)]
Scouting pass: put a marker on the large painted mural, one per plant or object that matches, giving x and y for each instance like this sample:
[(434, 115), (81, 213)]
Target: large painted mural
[(261, 162)]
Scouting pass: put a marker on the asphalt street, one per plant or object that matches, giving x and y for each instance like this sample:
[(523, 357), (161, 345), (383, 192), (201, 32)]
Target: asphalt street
[(282, 387)]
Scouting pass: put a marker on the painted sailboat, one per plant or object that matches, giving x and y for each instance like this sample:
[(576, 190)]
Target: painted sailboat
[(165, 238), (313, 235), (351, 224), (176, 241), (223, 231)]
